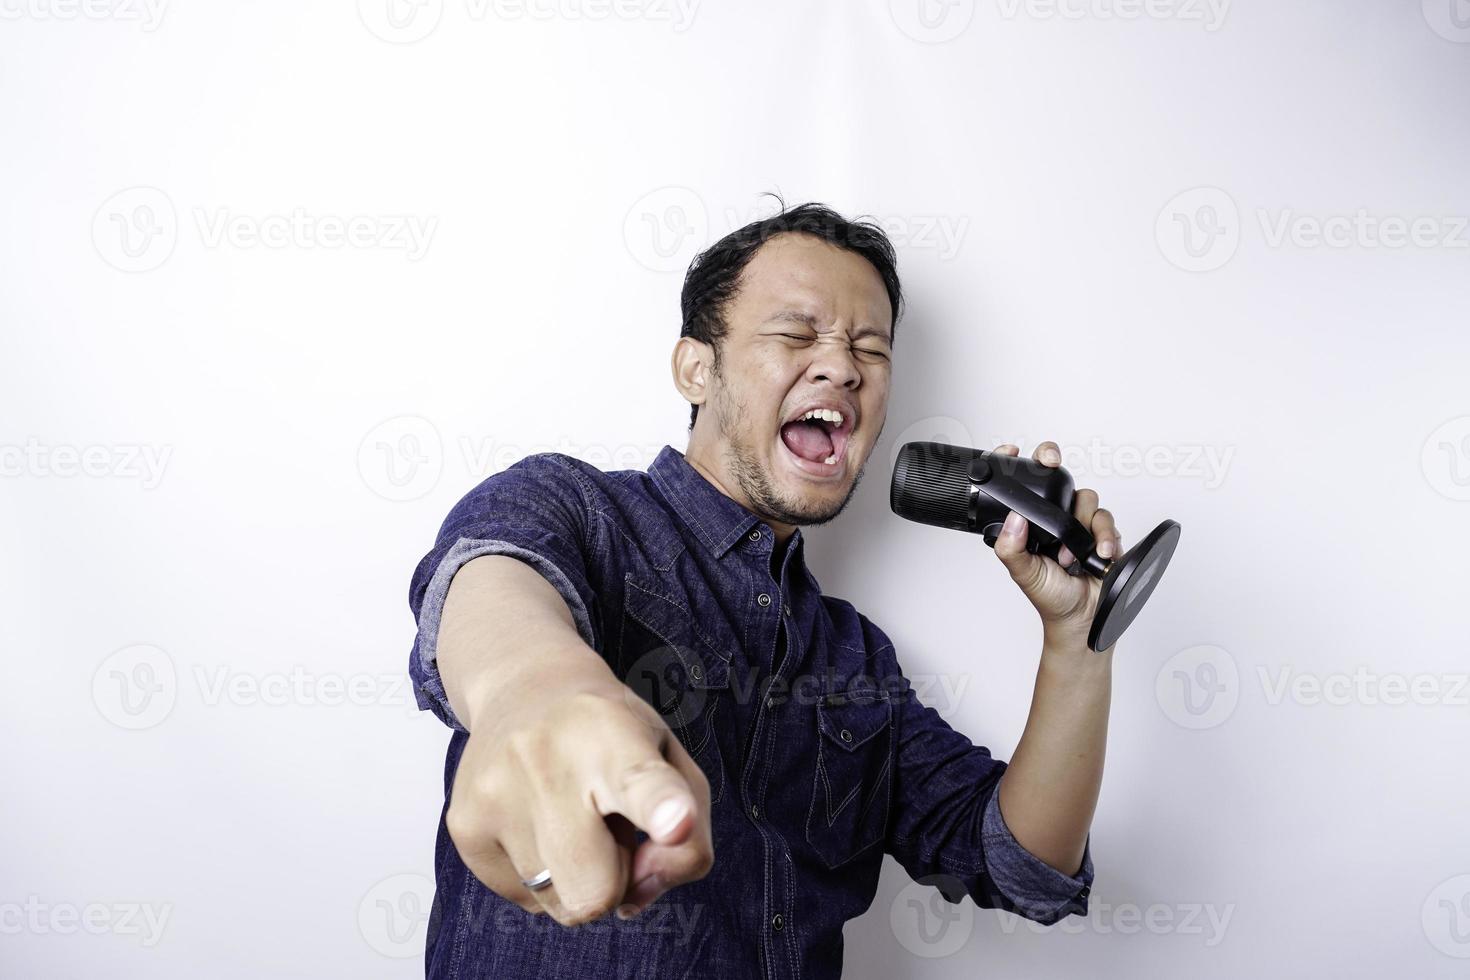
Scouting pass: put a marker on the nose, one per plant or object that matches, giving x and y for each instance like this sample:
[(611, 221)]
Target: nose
[(833, 361)]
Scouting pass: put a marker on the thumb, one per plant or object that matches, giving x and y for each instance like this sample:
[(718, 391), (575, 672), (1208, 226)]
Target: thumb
[(1010, 547)]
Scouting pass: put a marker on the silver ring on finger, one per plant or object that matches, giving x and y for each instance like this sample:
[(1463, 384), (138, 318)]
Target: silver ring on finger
[(540, 881)]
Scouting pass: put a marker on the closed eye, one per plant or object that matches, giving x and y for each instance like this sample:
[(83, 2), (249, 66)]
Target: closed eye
[(867, 351)]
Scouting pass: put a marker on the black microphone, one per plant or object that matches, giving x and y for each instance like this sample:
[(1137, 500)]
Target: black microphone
[(971, 490)]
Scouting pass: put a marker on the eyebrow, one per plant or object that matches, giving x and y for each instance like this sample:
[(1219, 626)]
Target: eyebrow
[(807, 320)]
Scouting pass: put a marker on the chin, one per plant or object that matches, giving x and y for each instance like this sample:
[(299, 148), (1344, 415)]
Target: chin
[(814, 498)]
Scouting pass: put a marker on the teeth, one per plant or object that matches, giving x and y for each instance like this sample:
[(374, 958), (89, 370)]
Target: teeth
[(832, 460), (825, 414)]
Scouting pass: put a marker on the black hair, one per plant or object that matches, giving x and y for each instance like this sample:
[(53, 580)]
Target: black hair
[(714, 276)]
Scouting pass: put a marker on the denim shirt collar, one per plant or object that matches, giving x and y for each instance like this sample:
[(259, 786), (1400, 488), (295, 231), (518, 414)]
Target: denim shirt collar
[(716, 520)]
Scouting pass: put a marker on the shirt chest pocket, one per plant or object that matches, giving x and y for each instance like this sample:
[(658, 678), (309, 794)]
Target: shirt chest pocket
[(852, 782), (681, 671)]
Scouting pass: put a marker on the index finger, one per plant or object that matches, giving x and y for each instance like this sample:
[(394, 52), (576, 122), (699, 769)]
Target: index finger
[(661, 865)]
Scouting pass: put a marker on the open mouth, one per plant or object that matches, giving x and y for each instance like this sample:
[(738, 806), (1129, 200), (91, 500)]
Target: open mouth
[(817, 441)]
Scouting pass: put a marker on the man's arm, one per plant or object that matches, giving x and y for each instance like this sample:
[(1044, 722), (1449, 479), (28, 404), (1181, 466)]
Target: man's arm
[(506, 636), (1014, 835), (562, 764), (556, 744), (1049, 791), (946, 828)]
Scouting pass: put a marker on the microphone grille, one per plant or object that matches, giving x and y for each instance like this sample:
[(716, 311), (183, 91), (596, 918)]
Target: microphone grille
[(931, 484)]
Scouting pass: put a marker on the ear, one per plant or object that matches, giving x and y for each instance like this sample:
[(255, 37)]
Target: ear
[(691, 363)]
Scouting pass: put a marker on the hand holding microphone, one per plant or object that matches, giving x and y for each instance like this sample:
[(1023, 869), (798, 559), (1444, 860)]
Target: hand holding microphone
[(1065, 600), (1058, 545)]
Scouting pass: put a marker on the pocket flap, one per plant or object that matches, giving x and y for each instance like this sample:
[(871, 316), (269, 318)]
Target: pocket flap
[(706, 666), (850, 719)]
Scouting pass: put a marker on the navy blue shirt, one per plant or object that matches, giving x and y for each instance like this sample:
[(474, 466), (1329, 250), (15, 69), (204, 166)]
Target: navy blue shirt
[(819, 754)]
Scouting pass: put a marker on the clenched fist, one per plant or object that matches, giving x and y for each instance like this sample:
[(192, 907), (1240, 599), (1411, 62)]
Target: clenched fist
[(1065, 602)]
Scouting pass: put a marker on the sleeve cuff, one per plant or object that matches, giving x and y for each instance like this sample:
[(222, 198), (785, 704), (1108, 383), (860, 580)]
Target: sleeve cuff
[(1040, 892), (429, 688)]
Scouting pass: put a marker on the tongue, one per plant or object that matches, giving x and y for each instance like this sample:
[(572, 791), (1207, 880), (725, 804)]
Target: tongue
[(809, 440)]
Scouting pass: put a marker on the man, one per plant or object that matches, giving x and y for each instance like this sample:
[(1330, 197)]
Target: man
[(673, 755)]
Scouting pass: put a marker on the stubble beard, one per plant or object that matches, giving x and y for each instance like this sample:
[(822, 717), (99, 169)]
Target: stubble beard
[(755, 481)]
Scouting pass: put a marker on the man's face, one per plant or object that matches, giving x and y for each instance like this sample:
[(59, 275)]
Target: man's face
[(809, 328)]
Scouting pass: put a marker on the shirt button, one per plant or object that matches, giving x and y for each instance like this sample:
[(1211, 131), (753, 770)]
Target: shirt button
[(696, 671), (846, 735), (777, 922), (788, 609), (755, 812), (770, 701), (754, 535), (763, 599)]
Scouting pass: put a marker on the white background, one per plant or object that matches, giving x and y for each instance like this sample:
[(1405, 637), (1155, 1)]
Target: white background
[(173, 630)]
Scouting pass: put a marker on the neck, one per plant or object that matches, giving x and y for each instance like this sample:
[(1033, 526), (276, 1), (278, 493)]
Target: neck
[(710, 462)]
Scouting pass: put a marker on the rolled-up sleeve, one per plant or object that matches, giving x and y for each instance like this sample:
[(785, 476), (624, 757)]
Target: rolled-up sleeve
[(537, 511), (946, 827)]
